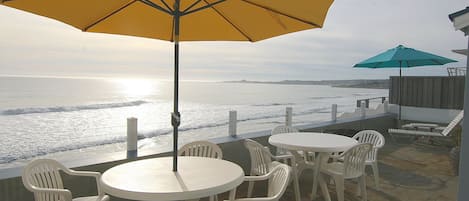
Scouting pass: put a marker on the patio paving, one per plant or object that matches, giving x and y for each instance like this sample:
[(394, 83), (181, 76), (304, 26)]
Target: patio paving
[(415, 171)]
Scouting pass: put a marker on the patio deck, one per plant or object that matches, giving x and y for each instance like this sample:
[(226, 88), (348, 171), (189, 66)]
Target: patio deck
[(413, 171), (408, 171)]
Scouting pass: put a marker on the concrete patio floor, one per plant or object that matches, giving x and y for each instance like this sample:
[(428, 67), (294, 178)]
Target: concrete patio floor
[(415, 171)]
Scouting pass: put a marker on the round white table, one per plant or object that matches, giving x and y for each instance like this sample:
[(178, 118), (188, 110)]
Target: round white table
[(321, 143), (153, 179)]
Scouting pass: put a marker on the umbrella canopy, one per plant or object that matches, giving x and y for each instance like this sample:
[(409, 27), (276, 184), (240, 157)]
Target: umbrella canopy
[(402, 57), (208, 20), (183, 20)]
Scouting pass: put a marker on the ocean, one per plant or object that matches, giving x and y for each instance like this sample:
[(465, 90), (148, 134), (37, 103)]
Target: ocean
[(41, 117)]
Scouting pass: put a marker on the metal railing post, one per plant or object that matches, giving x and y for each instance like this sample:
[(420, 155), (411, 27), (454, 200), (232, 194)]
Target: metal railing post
[(334, 112), (386, 106), (363, 110), (232, 123), (288, 116), (132, 138)]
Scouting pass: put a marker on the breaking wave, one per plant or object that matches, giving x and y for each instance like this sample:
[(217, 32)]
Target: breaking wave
[(20, 111)]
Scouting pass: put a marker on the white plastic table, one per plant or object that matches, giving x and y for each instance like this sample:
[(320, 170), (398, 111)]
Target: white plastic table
[(321, 143), (153, 179)]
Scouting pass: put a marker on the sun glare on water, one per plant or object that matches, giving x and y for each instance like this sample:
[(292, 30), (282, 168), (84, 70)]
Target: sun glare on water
[(137, 87)]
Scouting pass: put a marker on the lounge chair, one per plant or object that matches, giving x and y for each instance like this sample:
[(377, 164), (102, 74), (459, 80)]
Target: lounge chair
[(430, 130)]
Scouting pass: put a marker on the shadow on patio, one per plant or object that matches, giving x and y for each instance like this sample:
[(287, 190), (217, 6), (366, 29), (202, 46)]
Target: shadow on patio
[(414, 171)]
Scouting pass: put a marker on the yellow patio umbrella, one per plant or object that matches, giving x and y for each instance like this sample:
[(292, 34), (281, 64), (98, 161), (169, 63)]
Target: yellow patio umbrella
[(183, 20)]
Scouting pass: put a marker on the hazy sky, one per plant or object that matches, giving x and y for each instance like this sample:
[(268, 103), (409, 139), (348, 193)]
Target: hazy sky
[(354, 30)]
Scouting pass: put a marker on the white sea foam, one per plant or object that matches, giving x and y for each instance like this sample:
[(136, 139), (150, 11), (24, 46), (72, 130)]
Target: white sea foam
[(19, 111)]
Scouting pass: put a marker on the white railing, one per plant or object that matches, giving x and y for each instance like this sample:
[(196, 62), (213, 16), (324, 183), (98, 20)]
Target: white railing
[(361, 112)]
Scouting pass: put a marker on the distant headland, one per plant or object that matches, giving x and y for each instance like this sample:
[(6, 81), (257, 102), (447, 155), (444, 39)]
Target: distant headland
[(371, 84)]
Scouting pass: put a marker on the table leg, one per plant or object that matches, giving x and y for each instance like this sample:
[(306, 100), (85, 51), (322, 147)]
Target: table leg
[(325, 191), (317, 170), (232, 194), (296, 184)]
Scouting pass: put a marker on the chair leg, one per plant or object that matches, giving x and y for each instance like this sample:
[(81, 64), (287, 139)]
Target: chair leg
[(296, 184), (374, 166), (250, 188), (362, 183), (359, 189), (339, 186)]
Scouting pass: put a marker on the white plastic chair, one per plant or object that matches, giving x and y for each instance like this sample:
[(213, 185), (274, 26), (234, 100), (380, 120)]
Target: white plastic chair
[(304, 159), (283, 129), (262, 163), (352, 166), (42, 177), (278, 179), (377, 140), (202, 149)]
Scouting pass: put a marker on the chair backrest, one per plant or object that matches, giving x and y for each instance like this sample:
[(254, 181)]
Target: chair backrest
[(373, 137), (283, 129), (354, 160), (260, 157), (43, 173), (453, 123), (202, 149), (278, 181)]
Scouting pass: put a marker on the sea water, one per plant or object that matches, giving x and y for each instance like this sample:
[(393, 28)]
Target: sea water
[(46, 116)]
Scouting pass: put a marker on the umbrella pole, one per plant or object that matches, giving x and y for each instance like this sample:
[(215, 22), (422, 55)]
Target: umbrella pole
[(400, 90), (175, 116)]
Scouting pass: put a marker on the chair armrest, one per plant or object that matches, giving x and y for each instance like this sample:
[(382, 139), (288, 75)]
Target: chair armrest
[(280, 157), (96, 175), (256, 178), (60, 192), (261, 177), (84, 173)]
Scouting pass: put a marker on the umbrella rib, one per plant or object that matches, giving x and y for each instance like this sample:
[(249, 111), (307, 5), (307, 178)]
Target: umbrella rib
[(107, 16), (188, 8), (157, 7), (165, 4), (232, 24), (209, 5), (281, 13)]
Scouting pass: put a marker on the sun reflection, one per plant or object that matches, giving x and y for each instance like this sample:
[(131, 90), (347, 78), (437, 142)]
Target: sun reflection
[(137, 88)]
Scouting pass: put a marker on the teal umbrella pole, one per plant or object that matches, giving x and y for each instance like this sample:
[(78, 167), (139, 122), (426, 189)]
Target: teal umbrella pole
[(400, 90)]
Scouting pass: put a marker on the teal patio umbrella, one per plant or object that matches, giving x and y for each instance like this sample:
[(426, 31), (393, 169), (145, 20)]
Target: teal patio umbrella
[(402, 57)]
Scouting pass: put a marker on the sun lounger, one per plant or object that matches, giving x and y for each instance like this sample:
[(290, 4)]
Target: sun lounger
[(431, 130), (424, 127)]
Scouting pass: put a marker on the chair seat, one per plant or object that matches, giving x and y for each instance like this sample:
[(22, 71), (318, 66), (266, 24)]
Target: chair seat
[(259, 171), (337, 168), (91, 198)]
